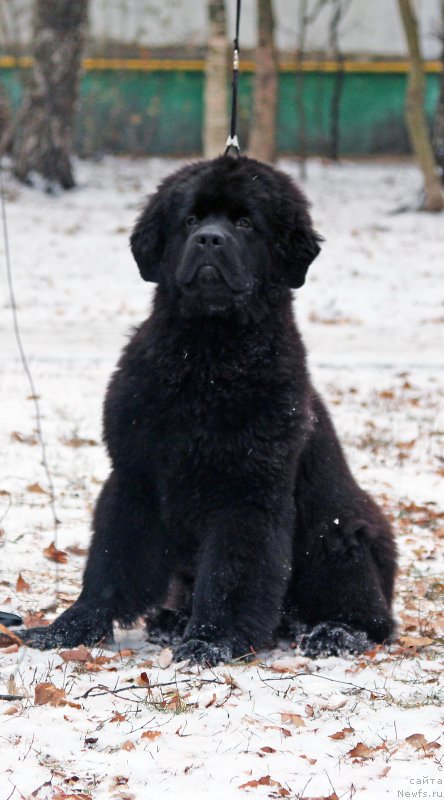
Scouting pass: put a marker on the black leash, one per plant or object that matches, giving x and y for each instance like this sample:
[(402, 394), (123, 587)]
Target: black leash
[(232, 144)]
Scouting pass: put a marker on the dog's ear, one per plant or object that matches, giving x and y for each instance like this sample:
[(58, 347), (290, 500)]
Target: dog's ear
[(297, 243), (148, 238), (306, 246)]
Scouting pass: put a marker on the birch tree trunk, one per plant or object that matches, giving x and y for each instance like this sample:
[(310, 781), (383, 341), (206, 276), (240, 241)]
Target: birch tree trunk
[(262, 144), (438, 122), (44, 134), (216, 127), (415, 115)]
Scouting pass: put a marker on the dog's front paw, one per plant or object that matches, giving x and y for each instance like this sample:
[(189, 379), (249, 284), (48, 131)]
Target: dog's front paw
[(77, 625), (199, 651), (333, 639)]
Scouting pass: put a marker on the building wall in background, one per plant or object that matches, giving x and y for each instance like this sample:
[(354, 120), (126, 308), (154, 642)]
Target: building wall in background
[(142, 87)]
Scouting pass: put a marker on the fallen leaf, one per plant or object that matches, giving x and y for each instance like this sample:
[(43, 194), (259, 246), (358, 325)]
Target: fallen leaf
[(266, 780), (296, 719), (128, 745), (311, 761), (361, 751), (76, 654), (77, 441), (118, 717), (7, 637), (23, 439), (35, 488), (212, 701), (21, 585), (53, 554), (76, 550), (419, 742), (11, 710), (284, 731), (35, 619), (416, 642), (151, 735), (384, 772), (143, 680), (341, 734), (48, 694)]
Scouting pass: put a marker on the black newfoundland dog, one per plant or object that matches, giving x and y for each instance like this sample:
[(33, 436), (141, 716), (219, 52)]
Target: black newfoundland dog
[(230, 517)]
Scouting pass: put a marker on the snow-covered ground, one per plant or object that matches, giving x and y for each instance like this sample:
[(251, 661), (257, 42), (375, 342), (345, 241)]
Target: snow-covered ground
[(372, 315)]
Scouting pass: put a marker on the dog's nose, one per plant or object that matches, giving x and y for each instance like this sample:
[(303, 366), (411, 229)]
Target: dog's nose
[(208, 275), (209, 237)]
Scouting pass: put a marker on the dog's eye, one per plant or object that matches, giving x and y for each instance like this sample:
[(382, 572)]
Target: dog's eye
[(192, 220), (243, 222)]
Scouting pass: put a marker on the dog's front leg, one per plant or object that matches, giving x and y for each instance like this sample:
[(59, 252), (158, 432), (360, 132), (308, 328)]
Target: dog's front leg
[(243, 571)]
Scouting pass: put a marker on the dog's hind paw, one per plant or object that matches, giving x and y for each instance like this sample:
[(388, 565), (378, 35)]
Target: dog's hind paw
[(334, 639)]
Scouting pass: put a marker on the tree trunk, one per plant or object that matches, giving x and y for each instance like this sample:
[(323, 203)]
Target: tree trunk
[(5, 124), (438, 123), (262, 144), (300, 105), (416, 121), (216, 97), (44, 134)]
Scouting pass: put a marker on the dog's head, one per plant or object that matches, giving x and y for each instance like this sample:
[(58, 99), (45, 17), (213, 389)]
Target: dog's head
[(220, 233)]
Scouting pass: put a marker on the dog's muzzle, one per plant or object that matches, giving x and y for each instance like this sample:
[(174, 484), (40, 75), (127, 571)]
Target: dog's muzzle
[(211, 262)]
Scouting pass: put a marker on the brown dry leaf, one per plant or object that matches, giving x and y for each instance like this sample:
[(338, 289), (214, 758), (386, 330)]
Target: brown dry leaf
[(341, 734), (143, 680), (35, 619), (416, 642), (266, 780), (151, 735), (75, 796), (309, 710), (212, 701), (126, 653), (35, 488), (289, 665), (48, 694), (53, 554), (333, 796), (362, 751), (296, 719), (7, 637), (310, 760), (284, 731), (76, 654), (118, 717), (128, 745), (384, 772), (267, 749), (11, 710), (77, 441), (16, 436), (419, 742), (22, 585), (76, 550)]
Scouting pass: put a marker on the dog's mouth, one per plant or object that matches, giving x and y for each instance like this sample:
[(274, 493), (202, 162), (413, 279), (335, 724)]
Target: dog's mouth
[(211, 278), (210, 289)]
